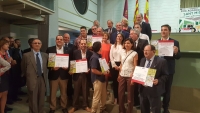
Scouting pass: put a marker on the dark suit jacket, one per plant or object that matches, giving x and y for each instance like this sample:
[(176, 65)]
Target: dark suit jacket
[(16, 56), (113, 30), (160, 65), (114, 36), (29, 69), (171, 60), (77, 56), (140, 47), (27, 50), (63, 74), (89, 32), (146, 29)]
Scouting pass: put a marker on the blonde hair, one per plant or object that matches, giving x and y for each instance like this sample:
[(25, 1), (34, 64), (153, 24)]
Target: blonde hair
[(125, 21)]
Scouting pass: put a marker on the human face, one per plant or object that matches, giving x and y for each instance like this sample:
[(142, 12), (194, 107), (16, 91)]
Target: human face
[(99, 32), (5, 47), (96, 23), (133, 35), (66, 38), (128, 45), (59, 41), (119, 38), (18, 42), (138, 27), (36, 45), (94, 30), (7, 40), (139, 18), (83, 45), (110, 25), (105, 38), (165, 32), (11, 42), (148, 53), (83, 32), (119, 26)]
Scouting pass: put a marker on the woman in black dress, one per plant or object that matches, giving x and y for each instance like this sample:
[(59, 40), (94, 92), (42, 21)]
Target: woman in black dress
[(4, 67)]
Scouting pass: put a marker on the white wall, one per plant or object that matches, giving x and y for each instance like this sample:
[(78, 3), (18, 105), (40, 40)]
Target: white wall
[(160, 12), (68, 16)]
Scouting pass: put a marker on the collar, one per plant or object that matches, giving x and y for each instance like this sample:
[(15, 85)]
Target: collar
[(141, 22), (162, 38), (152, 58), (35, 52), (85, 51), (97, 54), (137, 40), (58, 48)]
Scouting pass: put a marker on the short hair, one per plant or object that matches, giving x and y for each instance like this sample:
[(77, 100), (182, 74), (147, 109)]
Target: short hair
[(66, 34), (4, 37), (3, 42), (141, 15), (58, 35), (125, 20), (153, 48), (131, 41), (137, 32), (100, 28), (10, 37), (168, 26), (83, 27), (83, 39), (30, 40), (96, 46), (36, 39), (16, 40), (110, 21), (138, 24)]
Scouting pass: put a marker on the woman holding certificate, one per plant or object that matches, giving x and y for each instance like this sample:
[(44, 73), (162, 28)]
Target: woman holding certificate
[(115, 52), (129, 59)]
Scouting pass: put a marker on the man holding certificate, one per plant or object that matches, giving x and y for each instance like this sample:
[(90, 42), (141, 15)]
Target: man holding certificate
[(175, 50), (150, 97), (58, 76), (81, 79)]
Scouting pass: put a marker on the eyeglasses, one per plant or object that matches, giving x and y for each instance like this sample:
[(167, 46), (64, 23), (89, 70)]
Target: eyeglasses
[(147, 50), (37, 43), (60, 39)]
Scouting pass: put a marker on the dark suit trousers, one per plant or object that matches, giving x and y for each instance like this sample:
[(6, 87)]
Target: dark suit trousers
[(125, 82), (136, 95), (37, 97), (114, 74), (166, 96), (147, 101), (81, 85)]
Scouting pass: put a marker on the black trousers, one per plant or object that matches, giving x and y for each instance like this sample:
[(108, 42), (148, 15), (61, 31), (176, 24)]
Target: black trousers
[(166, 95), (114, 74), (148, 101), (136, 95)]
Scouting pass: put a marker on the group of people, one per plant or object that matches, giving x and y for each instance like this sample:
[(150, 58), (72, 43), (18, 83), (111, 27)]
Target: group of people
[(123, 48)]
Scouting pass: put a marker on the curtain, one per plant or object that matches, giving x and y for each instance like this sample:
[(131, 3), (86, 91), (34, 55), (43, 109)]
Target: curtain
[(190, 3)]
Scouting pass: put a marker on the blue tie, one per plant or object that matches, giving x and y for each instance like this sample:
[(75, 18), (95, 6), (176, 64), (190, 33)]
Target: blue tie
[(148, 65), (39, 69)]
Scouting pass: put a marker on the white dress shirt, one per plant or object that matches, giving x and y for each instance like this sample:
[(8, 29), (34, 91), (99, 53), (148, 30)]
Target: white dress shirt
[(60, 51), (83, 54), (115, 54)]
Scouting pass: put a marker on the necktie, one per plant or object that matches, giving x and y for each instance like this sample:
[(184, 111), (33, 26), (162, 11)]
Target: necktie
[(39, 68), (66, 45), (148, 65), (20, 53)]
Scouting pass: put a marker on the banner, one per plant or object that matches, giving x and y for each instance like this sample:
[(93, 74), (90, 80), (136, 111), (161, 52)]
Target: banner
[(125, 14), (146, 12), (189, 20), (136, 11)]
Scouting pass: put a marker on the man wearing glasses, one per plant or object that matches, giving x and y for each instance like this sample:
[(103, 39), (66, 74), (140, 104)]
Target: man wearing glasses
[(34, 67)]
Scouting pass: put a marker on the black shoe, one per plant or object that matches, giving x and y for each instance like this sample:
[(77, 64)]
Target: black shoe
[(51, 111), (8, 109), (64, 110), (17, 99), (166, 111)]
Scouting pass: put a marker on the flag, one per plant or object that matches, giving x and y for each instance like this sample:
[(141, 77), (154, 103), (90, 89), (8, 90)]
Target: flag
[(146, 12), (136, 11), (125, 14)]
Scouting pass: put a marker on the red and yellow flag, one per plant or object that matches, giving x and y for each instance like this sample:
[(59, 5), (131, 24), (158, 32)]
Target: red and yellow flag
[(136, 11), (146, 12)]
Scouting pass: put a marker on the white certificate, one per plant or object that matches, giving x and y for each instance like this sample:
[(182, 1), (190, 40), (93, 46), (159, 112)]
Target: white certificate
[(165, 48), (103, 64), (96, 39), (62, 60), (144, 76), (81, 66)]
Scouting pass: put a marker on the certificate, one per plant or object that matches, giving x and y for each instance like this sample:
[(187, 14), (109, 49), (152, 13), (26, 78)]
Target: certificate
[(91, 39), (144, 76), (58, 60), (155, 43), (165, 48), (78, 66), (62, 60), (103, 64)]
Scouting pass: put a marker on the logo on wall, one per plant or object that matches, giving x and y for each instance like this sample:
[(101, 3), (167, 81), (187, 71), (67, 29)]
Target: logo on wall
[(189, 20)]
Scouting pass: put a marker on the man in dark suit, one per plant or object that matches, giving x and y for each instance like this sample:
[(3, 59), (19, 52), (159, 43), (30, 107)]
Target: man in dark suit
[(146, 28), (34, 67), (110, 28), (119, 30), (165, 32), (150, 97), (58, 77), (29, 42), (81, 79), (69, 48), (138, 47)]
